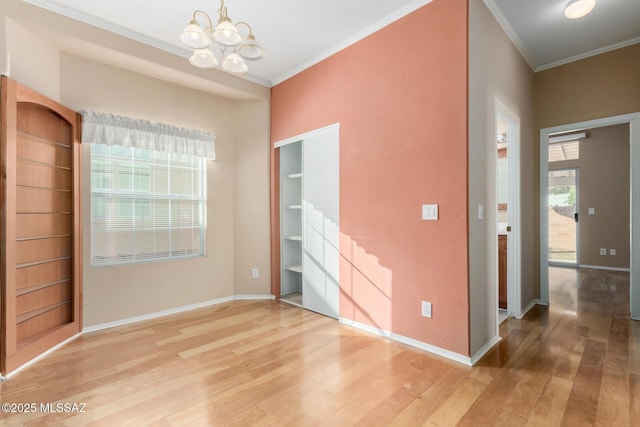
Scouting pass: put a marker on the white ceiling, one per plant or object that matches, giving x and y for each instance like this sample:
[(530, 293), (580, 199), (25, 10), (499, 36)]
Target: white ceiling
[(547, 39), (297, 33)]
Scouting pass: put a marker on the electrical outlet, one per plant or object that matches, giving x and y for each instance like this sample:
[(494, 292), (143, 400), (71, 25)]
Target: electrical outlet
[(603, 251), (255, 273), (426, 309), (612, 252)]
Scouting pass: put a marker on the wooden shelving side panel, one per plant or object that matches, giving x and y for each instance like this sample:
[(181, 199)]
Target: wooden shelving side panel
[(42, 275)]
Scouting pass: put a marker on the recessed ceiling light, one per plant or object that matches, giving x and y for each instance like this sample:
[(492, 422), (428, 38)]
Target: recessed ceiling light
[(579, 8)]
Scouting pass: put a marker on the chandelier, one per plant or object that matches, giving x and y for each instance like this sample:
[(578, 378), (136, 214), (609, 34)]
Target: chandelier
[(222, 46)]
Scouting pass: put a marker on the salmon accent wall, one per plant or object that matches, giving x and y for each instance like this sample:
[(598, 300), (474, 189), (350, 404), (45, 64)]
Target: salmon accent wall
[(400, 96)]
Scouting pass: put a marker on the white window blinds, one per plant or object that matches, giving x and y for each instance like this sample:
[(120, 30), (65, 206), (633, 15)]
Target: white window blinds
[(146, 204)]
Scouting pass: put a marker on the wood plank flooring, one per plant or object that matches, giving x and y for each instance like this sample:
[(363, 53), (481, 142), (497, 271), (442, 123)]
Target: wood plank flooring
[(576, 363)]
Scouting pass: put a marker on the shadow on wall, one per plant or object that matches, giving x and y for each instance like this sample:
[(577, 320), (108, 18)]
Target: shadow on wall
[(362, 278)]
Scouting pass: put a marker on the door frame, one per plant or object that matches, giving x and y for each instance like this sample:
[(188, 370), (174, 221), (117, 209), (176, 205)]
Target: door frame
[(514, 261), (577, 209), (634, 164)]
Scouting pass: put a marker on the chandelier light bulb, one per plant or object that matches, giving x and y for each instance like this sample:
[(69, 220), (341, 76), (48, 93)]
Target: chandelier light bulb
[(204, 58), (194, 36), (226, 33), (234, 63), (250, 49)]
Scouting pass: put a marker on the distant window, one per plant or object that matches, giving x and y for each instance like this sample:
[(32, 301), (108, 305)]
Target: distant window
[(145, 205), (566, 150)]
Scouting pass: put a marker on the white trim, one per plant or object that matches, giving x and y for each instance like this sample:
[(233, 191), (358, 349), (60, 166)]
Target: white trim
[(38, 358), (513, 36), (94, 21), (253, 297), (514, 250), (175, 310), (298, 138), (136, 319), (602, 267), (634, 164), (157, 314), (448, 354), (527, 308), (567, 137), (376, 26), (589, 54), (70, 12), (484, 350), (508, 29)]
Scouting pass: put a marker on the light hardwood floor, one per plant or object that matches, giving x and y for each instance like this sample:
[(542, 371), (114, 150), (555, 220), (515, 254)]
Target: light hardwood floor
[(576, 363)]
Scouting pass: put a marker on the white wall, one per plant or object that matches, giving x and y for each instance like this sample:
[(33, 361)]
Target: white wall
[(496, 70)]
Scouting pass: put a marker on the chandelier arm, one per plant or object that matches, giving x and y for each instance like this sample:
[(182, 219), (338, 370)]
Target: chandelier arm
[(248, 26), (222, 12), (205, 14)]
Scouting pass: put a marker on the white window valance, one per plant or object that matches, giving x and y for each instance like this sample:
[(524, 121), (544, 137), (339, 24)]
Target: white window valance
[(111, 129)]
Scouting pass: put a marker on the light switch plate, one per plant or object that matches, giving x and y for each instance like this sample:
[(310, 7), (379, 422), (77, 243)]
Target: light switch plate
[(592, 211), (426, 309), (430, 212), (480, 212)]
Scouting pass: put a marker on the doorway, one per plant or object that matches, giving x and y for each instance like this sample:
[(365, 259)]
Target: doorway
[(563, 217), (507, 212), (634, 165)]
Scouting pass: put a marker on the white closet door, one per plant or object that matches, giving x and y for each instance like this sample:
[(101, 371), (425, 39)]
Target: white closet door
[(321, 259)]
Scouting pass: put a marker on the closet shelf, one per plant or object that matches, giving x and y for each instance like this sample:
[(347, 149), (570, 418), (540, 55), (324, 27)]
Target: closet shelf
[(294, 268)]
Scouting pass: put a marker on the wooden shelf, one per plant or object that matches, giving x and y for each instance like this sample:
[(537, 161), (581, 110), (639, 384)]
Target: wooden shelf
[(294, 268), (32, 137)]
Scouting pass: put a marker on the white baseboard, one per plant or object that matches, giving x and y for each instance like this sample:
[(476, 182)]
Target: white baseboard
[(38, 358), (171, 311), (448, 354), (600, 267), (135, 319), (253, 297), (527, 308), (484, 350)]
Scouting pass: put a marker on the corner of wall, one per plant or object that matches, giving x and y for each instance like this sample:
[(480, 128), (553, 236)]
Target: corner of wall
[(31, 60), (252, 235), (4, 49)]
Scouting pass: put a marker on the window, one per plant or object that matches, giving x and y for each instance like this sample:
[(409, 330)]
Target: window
[(565, 146), (146, 204), (568, 150)]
